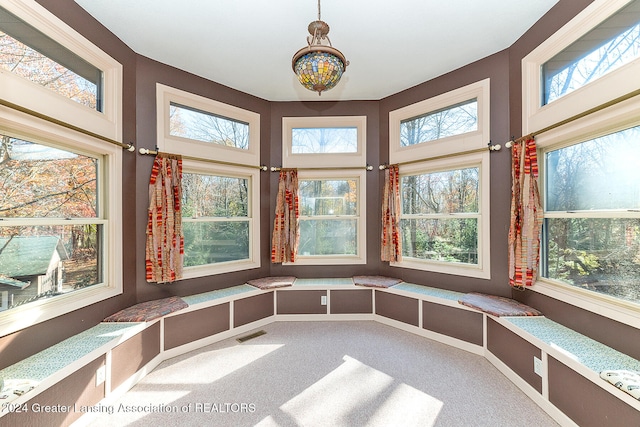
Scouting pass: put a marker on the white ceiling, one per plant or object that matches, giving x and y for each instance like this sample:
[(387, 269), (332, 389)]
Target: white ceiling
[(248, 44)]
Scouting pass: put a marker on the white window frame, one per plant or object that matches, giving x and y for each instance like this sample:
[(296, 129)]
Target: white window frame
[(613, 119), (445, 146), (253, 175), (29, 128), (623, 115), (30, 95), (310, 160), (612, 85), (165, 95), (361, 252), (483, 269)]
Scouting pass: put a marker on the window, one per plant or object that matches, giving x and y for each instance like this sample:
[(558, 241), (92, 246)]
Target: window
[(590, 245), (195, 126), (454, 120), (202, 126), (592, 214), (220, 201), (50, 69), (324, 141), (328, 217), (442, 223), (60, 190), (590, 61), (331, 155), (60, 246), (66, 74), (612, 44), (450, 123), (219, 219), (444, 219)]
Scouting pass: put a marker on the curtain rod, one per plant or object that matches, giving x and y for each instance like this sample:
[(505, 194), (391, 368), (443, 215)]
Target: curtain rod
[(329, 168), (129, 147), (444, 156), (145, 151), (576, 117)]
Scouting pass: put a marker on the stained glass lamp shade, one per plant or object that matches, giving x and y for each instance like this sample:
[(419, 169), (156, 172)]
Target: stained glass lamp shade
[(319, 66)]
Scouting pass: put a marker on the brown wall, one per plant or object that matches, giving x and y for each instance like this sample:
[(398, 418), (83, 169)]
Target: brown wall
[(496, 68), (139, 127), (149, 73), (372, 191)]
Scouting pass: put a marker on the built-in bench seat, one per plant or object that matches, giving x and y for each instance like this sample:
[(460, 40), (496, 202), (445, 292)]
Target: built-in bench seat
[(428, 291), (217, 295), (428, 311), (60, 360), (585, 355)]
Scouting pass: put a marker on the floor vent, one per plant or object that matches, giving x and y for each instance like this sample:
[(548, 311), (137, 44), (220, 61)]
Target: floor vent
[(251, 336)]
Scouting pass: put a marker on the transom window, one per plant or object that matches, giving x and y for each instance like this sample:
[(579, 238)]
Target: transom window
[(447, 124), (199, 127), (591, 61), (324, 140), (591, 231), (202, 126), (29, 53), (607, 47), (450, 121), (312, 142)]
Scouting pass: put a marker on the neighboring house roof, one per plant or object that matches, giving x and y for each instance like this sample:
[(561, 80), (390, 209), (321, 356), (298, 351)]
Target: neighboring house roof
[(26, 255), (7, 281)]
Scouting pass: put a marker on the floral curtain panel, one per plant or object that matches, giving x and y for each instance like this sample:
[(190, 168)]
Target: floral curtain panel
[(526, 215), (391, 244), (286, 235), (165, 240)]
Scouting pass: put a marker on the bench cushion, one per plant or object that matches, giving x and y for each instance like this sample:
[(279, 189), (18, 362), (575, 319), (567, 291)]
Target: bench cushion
[(497, 306), (375, 281), (146, 311), (627, 381), (272, 282)]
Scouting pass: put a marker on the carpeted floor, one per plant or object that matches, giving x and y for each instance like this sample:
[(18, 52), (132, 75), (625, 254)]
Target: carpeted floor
[(326, 374)]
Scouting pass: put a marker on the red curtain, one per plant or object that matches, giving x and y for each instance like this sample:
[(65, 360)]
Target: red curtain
[(165, 240), (284, 243), (526, 215), (391, 242)]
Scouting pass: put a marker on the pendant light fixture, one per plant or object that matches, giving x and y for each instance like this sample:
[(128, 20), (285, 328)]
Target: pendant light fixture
[(319, 66)]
